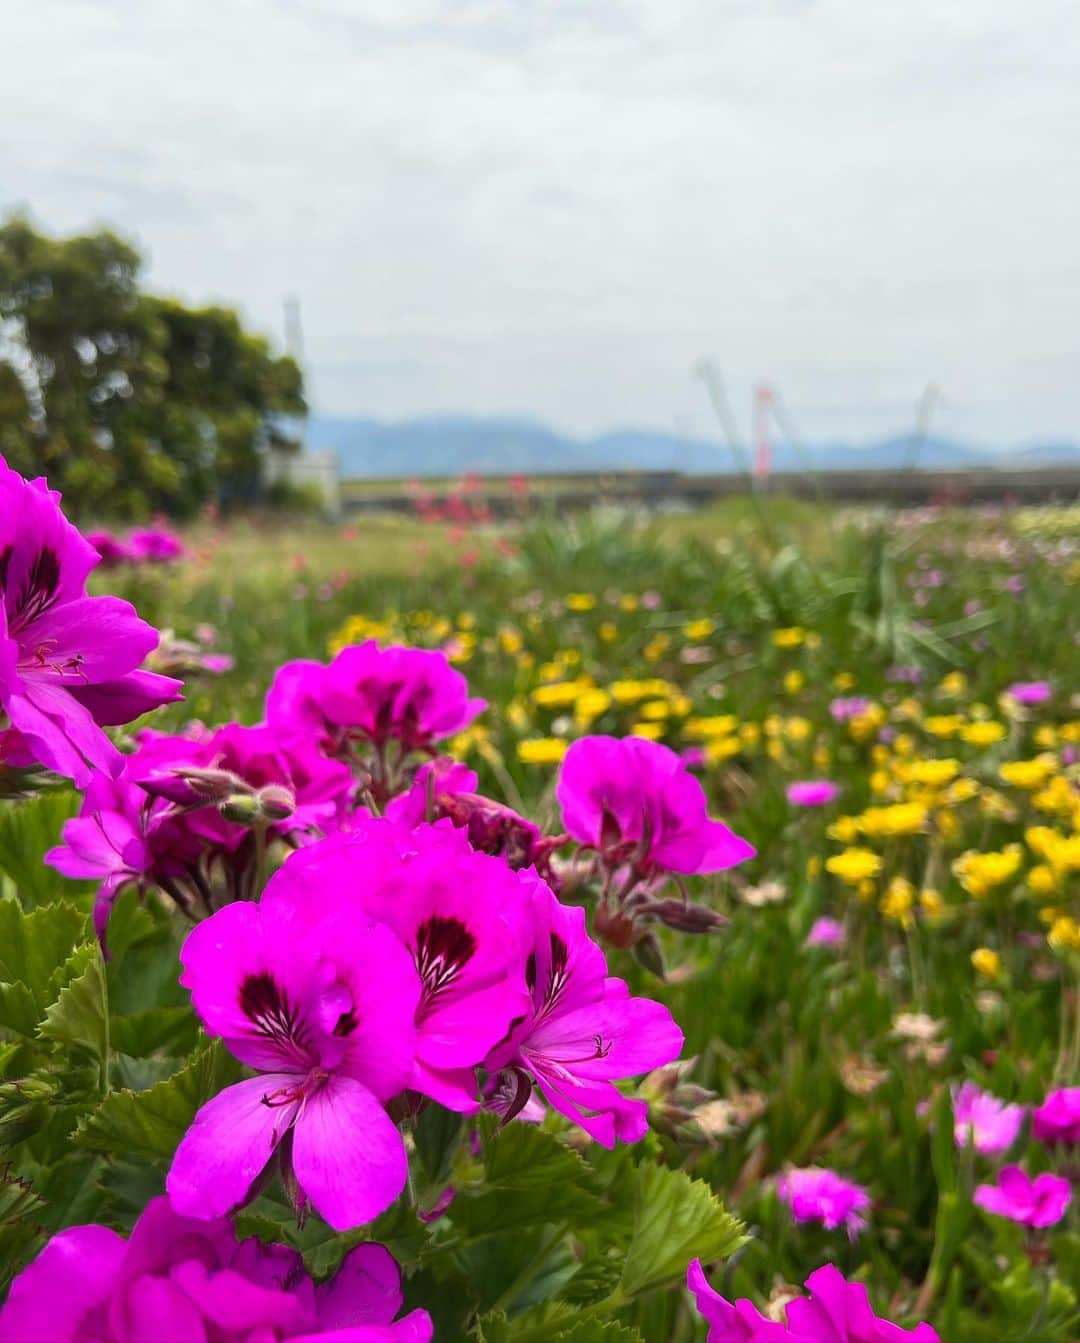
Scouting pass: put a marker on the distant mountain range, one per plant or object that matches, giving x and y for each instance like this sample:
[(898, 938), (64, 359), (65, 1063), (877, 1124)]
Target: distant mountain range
[(452, 445)]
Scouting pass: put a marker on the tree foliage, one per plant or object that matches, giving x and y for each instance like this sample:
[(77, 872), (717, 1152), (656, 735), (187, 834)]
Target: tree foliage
[(130, 403)]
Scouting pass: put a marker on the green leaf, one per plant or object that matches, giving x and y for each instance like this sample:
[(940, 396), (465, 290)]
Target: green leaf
[(676, 1219), (80, 1016), (28, 830), (140, 1034), (18, 1010), (438, 1135), (530, 1177), (556, 1322), (151, 1123), (35, 946)]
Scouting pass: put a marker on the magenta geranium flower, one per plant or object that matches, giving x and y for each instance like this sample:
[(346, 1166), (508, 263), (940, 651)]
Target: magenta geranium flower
[(836, 1311), (461, 914), (1037, 1202), (825, 932), (1030, 692), (636, 803), (1057, 1119), (812, 792), (583, 1031), (110, 547), (412, 696), (68, 662), (983, 1120), (177, 1278), (323, 1008), (155, 545), (846, 707), (122, 837), (815, 1194), (445, 789)]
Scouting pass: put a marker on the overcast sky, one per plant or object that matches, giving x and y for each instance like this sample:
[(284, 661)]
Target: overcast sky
[(554, 208)]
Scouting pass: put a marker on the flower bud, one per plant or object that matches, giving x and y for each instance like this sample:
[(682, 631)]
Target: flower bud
[(276, 802)]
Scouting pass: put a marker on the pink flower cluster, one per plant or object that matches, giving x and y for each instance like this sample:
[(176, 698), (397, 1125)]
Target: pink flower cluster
[(69, 663), (815, 1194), (145, 545), (835, 1311), (177, 1278), (390, 961)]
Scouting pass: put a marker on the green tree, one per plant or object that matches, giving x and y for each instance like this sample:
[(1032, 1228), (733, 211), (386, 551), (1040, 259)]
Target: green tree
[(128, 402)]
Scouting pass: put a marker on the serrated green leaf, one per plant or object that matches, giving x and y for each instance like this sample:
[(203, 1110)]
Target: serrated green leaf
[(28, 830), (34, 946), (531, 1177), (18, 1010), (134, 1074), (79, 1018), (151, 1123), (556, 1322), (676, 1219)]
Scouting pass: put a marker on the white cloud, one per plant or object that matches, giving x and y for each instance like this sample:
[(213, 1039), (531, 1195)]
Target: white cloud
[(553, 207)]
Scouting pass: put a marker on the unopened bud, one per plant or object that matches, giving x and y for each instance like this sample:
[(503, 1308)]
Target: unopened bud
[(243, 808), (683, 916), (276, 802)]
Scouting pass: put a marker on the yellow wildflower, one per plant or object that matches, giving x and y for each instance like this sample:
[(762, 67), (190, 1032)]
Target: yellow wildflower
[(696, 630), (898, 902), (589, 705), (987, 963), (608, 632), (789, 638), (717, 725), (845, 830), (955, 683), (854, 865), (794, 681), (931, 773), (983, 734), (1028, 774), (657, 646), (979, 873), (718, 749), (629, 602), (558, 695), (580, 601), (651, 731), (1041, 880), (843, 681), (541, 750), (1064, 934), (902, 818), (931, 903), (655, 710)]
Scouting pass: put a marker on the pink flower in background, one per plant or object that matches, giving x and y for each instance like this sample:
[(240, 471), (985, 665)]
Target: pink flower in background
[(155, 545), (583, 1031), (1037, 1202), (844, 708), (815, 1194), (68, 662), (110, 547), (180, 1279), (1057, 1119), (1030, 692), (836, 1311), (412, 696), (635, 802), (812, 793), (826, 932), (461, 915), (324, 1009), (983, 1120)]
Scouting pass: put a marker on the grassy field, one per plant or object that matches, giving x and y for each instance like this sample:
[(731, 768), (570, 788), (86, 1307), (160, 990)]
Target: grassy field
[(874, 652)]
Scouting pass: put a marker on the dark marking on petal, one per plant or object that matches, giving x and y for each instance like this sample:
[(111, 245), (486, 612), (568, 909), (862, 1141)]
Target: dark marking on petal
[(444, 946), (270, 1012)]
